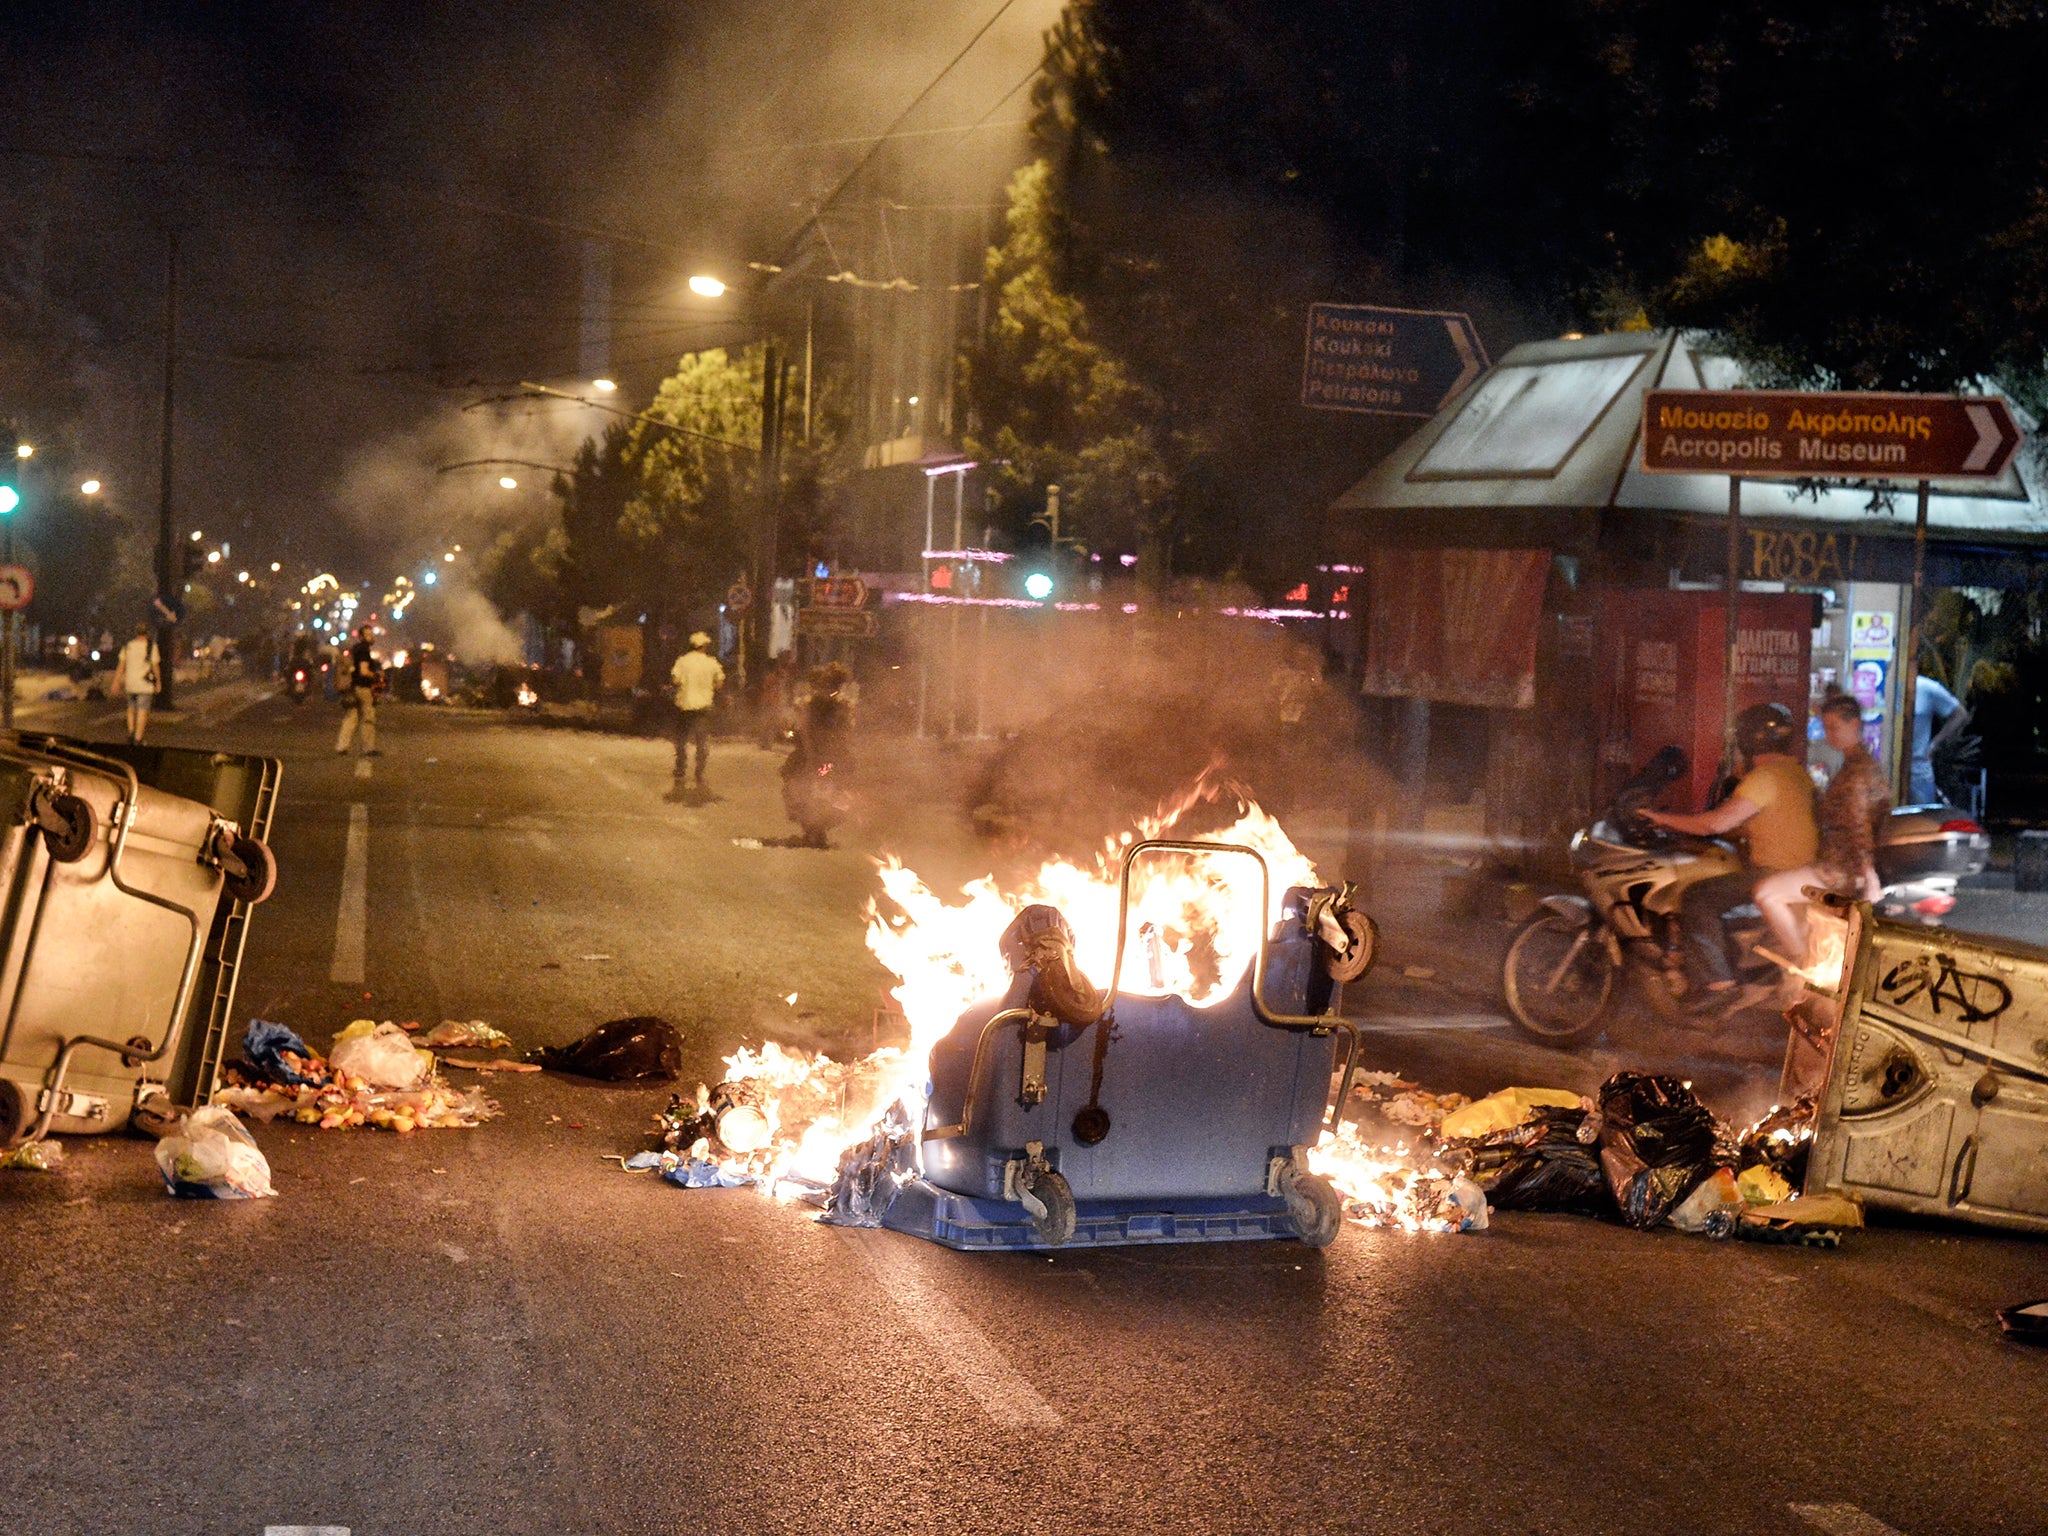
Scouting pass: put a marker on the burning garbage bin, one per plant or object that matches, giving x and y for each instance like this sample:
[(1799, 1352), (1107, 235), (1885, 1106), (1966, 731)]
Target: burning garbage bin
[(128, 874), (1924, 1059), (1063, 1116)]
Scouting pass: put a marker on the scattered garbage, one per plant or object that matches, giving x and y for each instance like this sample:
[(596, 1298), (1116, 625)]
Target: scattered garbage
[(1712, 1208), (622, 1051), (210, 1156), (2026, 1321), (382, 1055), (1507, 1108), (474, 1034), (1808, 1221), (1658, 1142), (280, 1055), (1395, 1099), (34, 1157), (1543, 1164), (337, 1094)]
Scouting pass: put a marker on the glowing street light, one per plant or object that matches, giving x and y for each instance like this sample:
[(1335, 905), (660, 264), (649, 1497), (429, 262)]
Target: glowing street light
[(24, 450), (449, 557), (507, 483), (213, 557), (603, 386), (90, 488), (275, 567), (706, 287)]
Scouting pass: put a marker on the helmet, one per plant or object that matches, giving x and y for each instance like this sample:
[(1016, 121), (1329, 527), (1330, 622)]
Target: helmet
[(1765, 728)]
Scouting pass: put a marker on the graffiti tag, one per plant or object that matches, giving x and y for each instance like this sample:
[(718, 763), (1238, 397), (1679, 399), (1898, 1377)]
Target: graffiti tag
[(1975, 995)]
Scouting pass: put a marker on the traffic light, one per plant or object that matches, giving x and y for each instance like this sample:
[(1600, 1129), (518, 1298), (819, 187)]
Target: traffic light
[(1038, 586), (10, 470)]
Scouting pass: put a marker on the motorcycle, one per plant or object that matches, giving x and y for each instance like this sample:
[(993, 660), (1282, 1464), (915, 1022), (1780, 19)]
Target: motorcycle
[(300, 684), (1571, 960)]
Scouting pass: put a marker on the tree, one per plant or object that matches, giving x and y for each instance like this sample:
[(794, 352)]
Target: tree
[(660, 519), (1053, 406)]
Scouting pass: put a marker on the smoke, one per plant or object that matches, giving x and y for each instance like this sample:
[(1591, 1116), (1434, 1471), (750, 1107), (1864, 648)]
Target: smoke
[(1071, 726), (474, 628)]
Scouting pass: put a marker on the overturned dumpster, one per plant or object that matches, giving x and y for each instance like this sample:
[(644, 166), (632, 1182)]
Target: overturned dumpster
[(1925, 1060), (1059, 1116), (127, 875)]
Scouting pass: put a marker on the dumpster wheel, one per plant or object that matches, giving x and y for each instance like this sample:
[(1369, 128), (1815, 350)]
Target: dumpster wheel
[(15, 1113), (68, 826), (249, 870), (1313, 1207), (1049, 1201)]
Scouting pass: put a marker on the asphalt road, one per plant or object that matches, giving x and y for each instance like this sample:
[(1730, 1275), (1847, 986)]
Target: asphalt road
[(497, 1331)]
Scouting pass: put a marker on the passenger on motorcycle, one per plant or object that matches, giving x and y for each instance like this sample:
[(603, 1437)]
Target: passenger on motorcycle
[(1853, 809), (1773, 806)]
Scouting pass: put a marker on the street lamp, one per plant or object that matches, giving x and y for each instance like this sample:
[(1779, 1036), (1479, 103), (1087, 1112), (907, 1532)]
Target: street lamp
[(24, 450), (89, 488), (603, 386), (706, 286), (507, 483)]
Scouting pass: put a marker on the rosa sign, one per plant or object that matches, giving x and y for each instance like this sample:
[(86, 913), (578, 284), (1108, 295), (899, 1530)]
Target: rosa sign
[(1800, 435)]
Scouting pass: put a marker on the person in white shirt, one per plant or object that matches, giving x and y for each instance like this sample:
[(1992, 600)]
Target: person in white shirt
[(136, 671), (698, 677)]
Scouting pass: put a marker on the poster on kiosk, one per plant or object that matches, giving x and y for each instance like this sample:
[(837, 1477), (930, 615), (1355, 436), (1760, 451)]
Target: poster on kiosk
[(1663, 671)]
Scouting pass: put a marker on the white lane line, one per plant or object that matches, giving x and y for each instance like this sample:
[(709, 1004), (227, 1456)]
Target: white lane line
[(362, 767), (305, 1530), (962, 1349), (352, 920), (1842, 1520)]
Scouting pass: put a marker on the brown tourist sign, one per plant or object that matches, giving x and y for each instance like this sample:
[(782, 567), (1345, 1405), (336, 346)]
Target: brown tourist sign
[(1796, 435)]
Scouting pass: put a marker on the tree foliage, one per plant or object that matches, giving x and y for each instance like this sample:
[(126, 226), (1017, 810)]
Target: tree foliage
[(659, 516), (1056, 406)]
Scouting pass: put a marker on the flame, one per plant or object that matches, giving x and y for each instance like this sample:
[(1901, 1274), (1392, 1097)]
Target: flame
[(1193, 928), (1827, 946)]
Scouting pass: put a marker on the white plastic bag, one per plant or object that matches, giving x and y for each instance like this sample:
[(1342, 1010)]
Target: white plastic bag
[(385, 1057), (210, 1157)]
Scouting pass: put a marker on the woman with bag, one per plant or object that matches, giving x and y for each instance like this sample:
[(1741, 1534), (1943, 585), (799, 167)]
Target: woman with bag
[(136, 670)]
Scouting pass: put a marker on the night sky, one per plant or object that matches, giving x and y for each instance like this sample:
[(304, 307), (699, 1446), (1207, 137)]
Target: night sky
[(384, 210)]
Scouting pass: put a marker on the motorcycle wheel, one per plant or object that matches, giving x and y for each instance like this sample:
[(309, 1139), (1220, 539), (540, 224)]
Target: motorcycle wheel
[(1558, 995)]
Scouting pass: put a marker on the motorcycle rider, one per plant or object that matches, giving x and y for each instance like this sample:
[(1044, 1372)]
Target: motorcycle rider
[(1772, 804), (1852, 812)]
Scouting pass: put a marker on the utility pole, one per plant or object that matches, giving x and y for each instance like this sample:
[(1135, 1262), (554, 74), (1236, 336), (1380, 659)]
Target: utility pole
[(167, 573), (755, 654)]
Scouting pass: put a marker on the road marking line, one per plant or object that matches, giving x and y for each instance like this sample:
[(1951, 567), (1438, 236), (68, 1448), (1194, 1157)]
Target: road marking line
[(352, 920), (305, 1530), (1842, 1520), (362, 767), (972, 1359)]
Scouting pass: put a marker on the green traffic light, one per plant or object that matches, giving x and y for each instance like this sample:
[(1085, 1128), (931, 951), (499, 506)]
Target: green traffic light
[(1038, 586), (10, 498)]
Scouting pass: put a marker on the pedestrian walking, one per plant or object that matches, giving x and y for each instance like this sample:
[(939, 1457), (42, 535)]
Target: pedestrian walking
[(365, 678), (137, 668), (698, 677)]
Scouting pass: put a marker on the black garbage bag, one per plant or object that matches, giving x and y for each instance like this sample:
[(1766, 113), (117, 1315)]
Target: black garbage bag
[(623, 1051), (1542, 1165), (1657, 1143)]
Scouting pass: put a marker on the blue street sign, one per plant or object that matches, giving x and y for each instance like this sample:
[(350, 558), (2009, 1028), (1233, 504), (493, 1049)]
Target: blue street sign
[(1388, 362)]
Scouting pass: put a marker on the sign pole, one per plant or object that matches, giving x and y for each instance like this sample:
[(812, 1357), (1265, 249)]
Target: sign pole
[(1909, 679), (1728, 760), (7, 648)]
